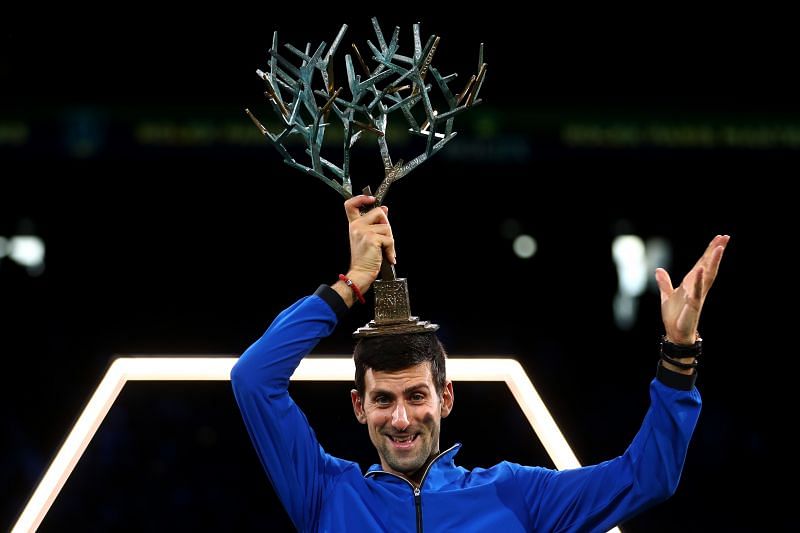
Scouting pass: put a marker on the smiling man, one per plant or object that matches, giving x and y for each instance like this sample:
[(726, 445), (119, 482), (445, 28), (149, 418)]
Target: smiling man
[(402, 394)]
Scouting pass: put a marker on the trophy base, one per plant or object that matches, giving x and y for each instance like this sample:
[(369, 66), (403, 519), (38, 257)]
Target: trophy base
[(393, 312), (395, 327)]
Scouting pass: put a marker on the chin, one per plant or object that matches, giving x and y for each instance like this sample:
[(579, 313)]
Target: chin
[(409, 467)]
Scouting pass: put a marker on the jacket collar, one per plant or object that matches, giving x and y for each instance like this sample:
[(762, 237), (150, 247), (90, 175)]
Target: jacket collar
[(439, 472)]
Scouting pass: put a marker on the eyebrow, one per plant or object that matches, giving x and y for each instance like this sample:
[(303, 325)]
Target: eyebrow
[(407, 390)]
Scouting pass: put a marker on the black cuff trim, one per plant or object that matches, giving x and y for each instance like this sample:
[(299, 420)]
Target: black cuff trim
[(333, 299), (675, 380), (675, 362)]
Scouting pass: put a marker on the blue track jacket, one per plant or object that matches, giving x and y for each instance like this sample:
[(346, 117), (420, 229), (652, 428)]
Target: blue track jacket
[(324, 493)]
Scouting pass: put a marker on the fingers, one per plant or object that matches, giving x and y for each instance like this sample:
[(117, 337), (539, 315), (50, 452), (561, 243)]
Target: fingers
[(379, 223), (390, 254), (380, 229), (711, 260), (375, 216), (697, 286), (664, 284), (372, 226), (352, 206), (719, 240), (712, 268), (387, 243), (719, 243)]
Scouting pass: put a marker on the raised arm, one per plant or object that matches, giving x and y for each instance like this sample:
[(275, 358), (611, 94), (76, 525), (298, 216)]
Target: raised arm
[(598, 497), (299, 469)]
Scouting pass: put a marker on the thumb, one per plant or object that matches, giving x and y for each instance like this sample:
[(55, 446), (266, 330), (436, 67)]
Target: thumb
[(664, 284)]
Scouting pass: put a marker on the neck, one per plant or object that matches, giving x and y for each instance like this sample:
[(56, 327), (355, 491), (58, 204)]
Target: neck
[(415, 477)]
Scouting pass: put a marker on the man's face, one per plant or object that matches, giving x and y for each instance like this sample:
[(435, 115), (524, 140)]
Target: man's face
[(403, 413)]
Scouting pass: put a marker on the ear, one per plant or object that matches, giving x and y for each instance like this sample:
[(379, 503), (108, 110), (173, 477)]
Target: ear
[(358, 406), (447, 398)]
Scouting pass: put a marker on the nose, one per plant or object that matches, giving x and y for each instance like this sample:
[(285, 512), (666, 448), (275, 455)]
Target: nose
[(400, 417)]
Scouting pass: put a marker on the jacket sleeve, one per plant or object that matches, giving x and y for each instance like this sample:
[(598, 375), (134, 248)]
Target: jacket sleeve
[(598, 497), (285, 443)]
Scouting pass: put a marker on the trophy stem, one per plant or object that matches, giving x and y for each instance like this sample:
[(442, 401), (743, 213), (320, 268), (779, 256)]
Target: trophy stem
[(387, 270), (392, 307)]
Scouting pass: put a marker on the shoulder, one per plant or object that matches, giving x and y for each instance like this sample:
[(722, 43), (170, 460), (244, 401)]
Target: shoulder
[(506, 470), (335, 466), (528, 473)]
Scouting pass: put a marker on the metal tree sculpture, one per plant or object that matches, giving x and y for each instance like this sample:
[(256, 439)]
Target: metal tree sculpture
[(290, 91)]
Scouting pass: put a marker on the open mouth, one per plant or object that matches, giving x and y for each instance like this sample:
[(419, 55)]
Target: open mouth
[(403, 441)]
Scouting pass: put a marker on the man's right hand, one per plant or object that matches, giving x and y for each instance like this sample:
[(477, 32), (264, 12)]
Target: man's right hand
[(370, 236)]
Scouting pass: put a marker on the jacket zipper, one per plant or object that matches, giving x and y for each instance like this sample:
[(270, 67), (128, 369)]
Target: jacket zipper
[(418, 505), (417, 490)]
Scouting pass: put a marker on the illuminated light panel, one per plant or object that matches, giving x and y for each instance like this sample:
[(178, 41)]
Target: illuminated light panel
[(127, 369)]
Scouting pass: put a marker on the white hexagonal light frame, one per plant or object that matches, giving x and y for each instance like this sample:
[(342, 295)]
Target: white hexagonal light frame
[(127, 369)]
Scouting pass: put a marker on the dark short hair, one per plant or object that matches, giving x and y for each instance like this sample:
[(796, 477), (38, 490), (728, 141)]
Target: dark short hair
[(389, 353)]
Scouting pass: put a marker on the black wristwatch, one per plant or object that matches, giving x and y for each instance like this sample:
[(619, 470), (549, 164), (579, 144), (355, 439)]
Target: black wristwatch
[(678, 351)]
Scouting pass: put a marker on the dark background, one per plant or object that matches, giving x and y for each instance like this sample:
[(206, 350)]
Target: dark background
[(172, 229)]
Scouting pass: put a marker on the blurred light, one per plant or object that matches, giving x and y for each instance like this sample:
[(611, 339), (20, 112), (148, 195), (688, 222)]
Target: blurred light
[(27, 250), (629, 256), (628, 252), (525, 246), (625, 308), (315, 368), (659, 254), (636, 264)]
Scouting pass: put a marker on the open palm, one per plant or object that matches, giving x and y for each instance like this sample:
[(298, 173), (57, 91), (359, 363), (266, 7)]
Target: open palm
[(680, 307)]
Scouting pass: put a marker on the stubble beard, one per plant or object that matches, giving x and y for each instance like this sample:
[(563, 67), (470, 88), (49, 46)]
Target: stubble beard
[(411, 465)]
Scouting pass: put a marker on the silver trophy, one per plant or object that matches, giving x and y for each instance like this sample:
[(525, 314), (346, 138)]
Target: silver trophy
[(395, 83)]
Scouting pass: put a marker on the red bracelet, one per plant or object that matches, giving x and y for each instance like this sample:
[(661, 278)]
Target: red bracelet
[(354, 287)]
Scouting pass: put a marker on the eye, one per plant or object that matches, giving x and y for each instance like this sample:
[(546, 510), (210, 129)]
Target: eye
[(382, 400), (417, 397)]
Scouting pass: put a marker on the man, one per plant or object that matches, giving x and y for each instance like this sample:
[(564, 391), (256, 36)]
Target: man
[(401, 396)]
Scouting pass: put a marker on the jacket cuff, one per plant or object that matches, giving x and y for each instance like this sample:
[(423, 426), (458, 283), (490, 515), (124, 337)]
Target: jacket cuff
[(332, 298), (675, 380)]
